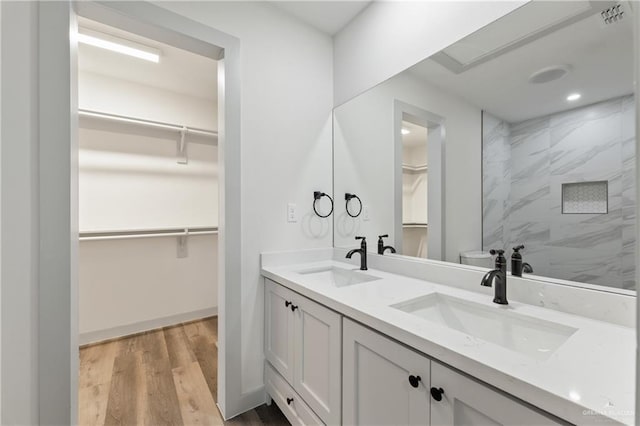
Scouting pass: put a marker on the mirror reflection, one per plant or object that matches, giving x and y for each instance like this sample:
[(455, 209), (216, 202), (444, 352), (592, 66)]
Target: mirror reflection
[(520, 134), (414, 189)]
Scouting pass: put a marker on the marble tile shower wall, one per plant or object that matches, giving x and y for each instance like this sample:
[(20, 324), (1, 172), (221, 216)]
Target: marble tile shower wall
[(524, 167)]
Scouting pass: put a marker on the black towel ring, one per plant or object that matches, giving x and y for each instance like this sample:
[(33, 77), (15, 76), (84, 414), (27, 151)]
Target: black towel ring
[(318, 195), (348, 197)]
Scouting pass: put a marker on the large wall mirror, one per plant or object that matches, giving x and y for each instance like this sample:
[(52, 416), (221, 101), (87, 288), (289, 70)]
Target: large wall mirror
[(522, 133)]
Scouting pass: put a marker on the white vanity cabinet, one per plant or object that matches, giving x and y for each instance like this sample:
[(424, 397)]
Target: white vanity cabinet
[(377, 389), (467, 402), (303, 343)]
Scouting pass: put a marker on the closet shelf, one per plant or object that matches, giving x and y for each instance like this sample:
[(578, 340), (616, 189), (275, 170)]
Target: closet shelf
[(414, 169), (415, 225), (148, 123), (146, 233)]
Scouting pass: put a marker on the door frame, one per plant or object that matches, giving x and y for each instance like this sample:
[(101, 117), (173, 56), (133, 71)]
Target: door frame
[(51, 338), (436, 144)]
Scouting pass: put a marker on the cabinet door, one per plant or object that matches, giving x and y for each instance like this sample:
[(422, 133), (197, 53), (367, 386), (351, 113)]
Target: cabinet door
[(318, 343), (278, 335), (466, 402), (376, 387)]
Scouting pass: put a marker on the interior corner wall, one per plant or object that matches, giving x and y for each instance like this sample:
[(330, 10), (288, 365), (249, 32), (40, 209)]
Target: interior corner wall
[(287, 86), (391, 36)]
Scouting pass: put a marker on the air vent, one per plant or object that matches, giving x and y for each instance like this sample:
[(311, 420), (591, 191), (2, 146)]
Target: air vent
[(612, 15), (548, 74)]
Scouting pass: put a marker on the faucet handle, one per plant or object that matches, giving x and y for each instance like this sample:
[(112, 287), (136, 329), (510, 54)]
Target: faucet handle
[(518, 248), (361, 238), (498, 252), (383, 236)]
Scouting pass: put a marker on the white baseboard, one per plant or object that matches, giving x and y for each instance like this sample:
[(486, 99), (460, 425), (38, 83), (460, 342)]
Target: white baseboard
[(139, 327), (248, 401)]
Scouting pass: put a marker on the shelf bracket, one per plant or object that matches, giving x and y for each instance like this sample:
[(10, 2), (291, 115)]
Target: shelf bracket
[(182, 250), (182, 147)]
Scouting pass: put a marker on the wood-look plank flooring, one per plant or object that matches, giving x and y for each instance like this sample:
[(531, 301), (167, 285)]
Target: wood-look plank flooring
[(162, 377)]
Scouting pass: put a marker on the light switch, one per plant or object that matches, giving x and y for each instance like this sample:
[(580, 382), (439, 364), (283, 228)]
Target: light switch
[(292, 213)]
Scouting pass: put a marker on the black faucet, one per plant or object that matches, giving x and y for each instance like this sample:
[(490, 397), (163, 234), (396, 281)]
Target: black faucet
[(363, 253), (499, 275), (381, 247), (517, 265)]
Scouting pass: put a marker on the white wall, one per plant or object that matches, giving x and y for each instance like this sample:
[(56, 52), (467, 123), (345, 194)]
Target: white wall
[(127, 286), (129, 179), (105, 94), (414, 197), (19, 215), (0, 226), (636, 43), (286, 145), (391, 36), (364, 162)]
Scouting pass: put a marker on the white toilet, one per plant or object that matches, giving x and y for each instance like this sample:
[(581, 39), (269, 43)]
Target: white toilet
[(477, 258)]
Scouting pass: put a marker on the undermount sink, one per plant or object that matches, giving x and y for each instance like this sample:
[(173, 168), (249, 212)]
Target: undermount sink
[(529, 336), (338, 277)]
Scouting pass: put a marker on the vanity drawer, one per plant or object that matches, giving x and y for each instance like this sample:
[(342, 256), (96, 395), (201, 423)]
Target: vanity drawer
[(297, 412)]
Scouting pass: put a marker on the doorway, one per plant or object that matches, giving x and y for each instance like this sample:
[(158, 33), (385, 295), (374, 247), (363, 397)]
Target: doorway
[(149, 340), (419, 182), (415, 192), (148, 221)]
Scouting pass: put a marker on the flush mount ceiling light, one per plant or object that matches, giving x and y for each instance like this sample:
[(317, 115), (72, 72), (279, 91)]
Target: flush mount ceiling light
[(119, 45), (405, 131), (548, 74), (574, 97)]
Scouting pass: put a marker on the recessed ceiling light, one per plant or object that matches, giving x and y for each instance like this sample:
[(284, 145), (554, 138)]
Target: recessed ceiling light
[(406, 131), (115, 44), (574, 97)]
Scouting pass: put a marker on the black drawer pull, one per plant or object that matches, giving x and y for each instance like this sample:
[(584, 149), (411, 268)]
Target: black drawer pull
[(436, 393), (286, 303), (293, 308), (289, 401), (414, 380)]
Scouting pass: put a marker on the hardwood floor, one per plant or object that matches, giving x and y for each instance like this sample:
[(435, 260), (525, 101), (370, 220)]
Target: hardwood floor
[(161, 377)]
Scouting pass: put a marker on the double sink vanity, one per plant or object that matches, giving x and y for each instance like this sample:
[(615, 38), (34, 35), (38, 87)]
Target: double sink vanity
[(345, 346), (517, 141)]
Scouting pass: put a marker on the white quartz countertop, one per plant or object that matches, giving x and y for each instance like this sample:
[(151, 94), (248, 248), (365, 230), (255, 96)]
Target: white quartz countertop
[(590, 379)]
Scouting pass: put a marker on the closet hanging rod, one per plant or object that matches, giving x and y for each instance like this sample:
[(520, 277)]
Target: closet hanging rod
[(147, 233), (414, 169), (148, 123)]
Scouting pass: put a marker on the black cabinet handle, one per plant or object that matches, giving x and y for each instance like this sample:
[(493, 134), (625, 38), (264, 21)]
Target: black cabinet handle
[(289, 401), (436, 393), (414, 380), (293, 308), (286, 303)]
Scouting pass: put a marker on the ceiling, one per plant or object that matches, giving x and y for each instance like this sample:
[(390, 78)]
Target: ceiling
[(417, 135), (327, 16), (178, 70), (599, 56)]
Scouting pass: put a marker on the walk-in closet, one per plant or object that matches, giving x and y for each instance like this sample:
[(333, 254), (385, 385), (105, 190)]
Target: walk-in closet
[(414, 189), (148, 218)]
